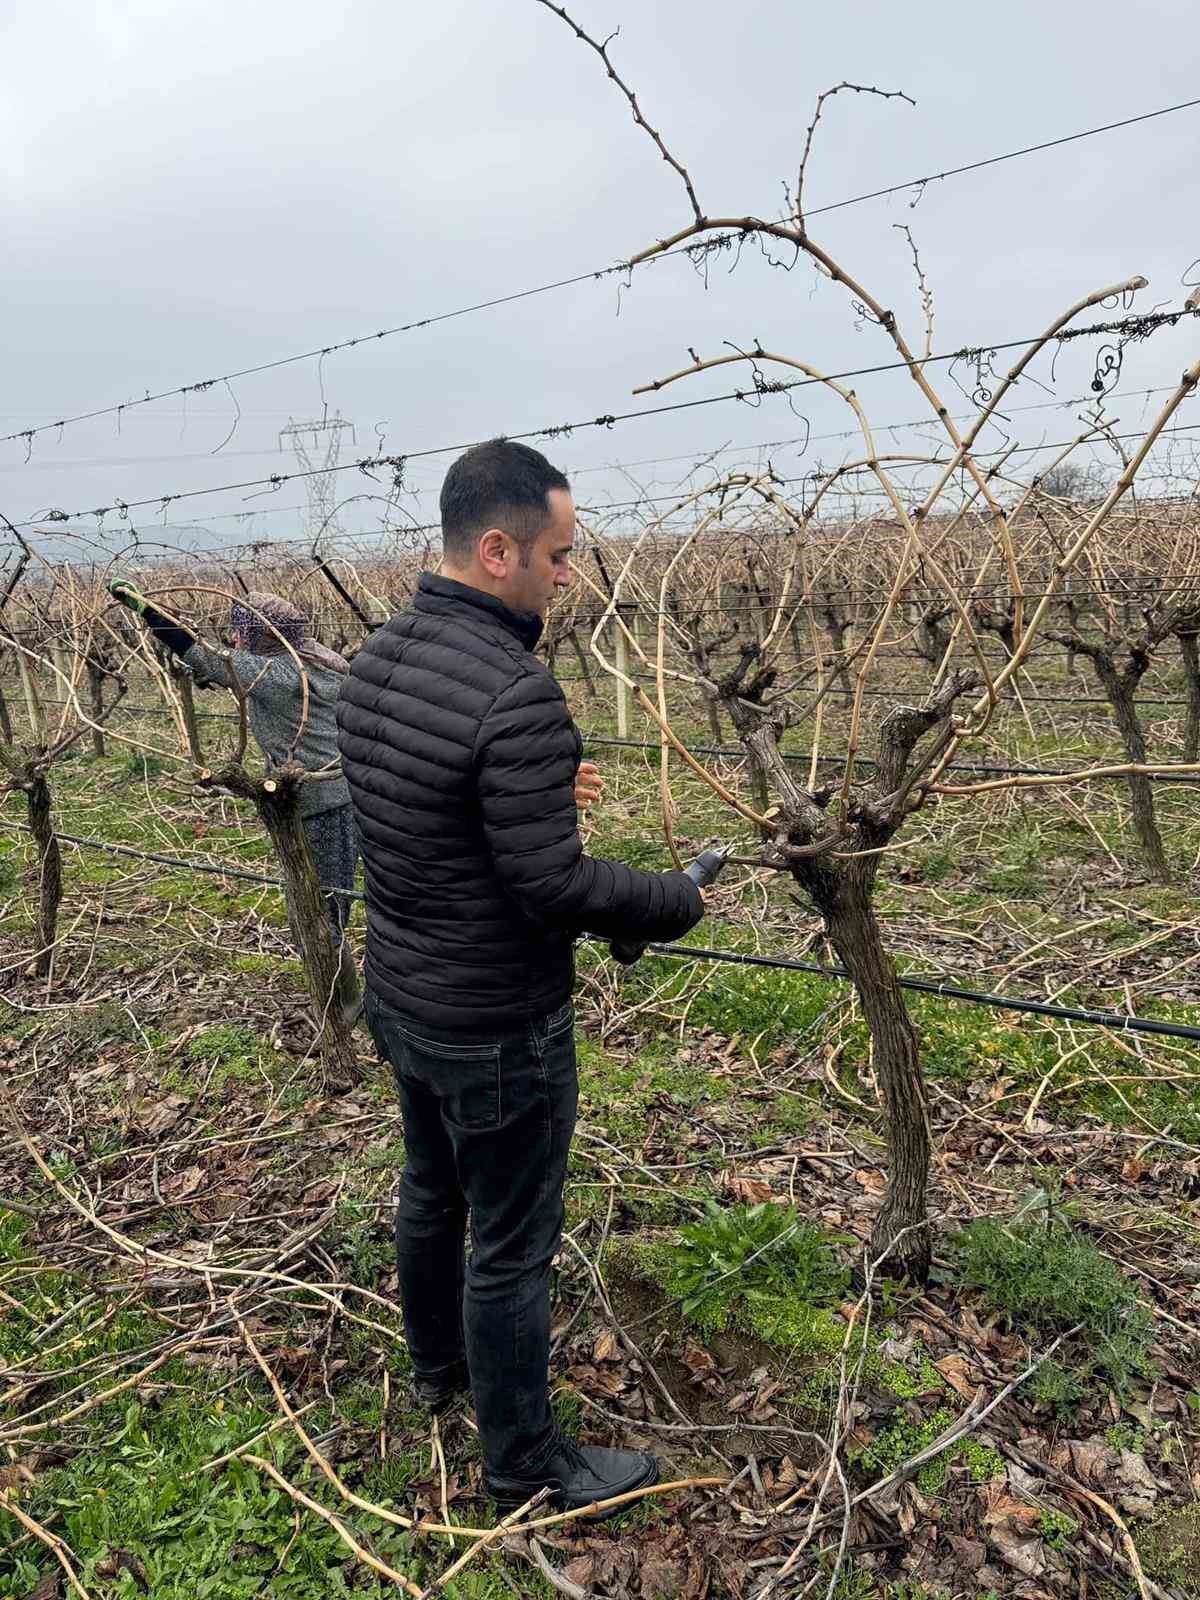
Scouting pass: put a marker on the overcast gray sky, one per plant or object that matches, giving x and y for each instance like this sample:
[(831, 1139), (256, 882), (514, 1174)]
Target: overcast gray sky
[(190, 188)]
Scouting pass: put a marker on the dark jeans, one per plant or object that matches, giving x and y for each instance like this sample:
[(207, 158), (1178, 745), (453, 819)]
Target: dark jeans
[(333, 840), (487, 1128)]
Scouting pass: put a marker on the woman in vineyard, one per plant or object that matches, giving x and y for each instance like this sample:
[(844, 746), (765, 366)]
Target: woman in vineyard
[(273, 661)]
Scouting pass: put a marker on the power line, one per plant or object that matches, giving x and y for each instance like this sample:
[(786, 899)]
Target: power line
[(397, 462), (27, 435), (929, 986)]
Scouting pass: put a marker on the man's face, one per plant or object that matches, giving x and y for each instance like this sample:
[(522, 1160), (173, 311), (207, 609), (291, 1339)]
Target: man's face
[(534, 582)]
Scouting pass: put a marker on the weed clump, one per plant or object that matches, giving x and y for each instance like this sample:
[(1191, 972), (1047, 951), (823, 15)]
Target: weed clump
[(903, 1440), (141, 767), (1049, 1278), (753, 1257), (1170, 1549)]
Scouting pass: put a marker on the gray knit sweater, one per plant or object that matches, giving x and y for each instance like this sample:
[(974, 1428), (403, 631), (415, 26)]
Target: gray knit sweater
[(274, 700)]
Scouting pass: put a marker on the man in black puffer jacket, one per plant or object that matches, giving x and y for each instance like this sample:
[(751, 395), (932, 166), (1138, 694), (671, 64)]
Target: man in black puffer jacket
[(461, 758)]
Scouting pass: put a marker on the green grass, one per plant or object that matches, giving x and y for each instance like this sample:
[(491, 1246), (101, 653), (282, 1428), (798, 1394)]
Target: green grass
[(1019, 861), (281, 969), (761, 1006), (903, 1439), (1049, 1279), (1170, 1549), (618, 1090), (128, 1491), (786, 1297), (360, 1240), (89, 1329), (226, 1052), (224, 1535)]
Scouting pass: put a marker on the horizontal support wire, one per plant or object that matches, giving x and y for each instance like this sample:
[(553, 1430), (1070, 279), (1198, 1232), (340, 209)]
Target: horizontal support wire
[(929, 986), (26, 435), (397, 461), (733, 754), (803, 758)]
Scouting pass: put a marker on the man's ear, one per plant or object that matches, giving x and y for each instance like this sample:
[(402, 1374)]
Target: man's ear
[(494, 555)]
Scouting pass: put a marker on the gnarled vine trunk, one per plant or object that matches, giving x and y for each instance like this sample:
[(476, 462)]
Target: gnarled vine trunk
[(49, 865), (95, 679), (1120, 688), (835, 859), (901, 1236), (328, 967)]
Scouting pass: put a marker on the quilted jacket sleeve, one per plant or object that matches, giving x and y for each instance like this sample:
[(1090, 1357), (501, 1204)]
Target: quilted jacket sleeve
[(526, 755), (211, 669)]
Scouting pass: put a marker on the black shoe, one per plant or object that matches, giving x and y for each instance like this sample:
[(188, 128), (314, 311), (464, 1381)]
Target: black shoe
[(439, 1393), (580, 1475)]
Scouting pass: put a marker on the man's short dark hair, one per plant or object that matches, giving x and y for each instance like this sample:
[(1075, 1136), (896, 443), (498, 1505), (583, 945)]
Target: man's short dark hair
[(501, 484)]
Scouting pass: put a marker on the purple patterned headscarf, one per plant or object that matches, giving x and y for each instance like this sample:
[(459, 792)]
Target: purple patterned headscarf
[(263, 620)]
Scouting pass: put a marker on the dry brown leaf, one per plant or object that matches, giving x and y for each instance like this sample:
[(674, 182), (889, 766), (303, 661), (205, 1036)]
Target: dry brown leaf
[(1023, 1482), (869, 1179), (957, 1372), (1000, 1507), (608, 1382), (753, 1191), (1022, 1551), (1089, 1460), (970, 1553), (606, 1347), (699, 1362), (908, 1508), (581, 1571), (159, 1115), (1138, 1495), (661, 1575), (181, 1184)]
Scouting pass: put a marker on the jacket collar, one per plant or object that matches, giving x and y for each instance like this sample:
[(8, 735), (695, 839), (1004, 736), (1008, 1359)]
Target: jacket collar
[(439, 596)]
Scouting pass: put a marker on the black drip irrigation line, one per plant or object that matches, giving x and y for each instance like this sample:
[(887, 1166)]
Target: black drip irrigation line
[(179, 861), (945, 991), (929, 986)]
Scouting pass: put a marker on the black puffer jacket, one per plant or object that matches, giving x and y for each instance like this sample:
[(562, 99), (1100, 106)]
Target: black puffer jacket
[(461, 757)]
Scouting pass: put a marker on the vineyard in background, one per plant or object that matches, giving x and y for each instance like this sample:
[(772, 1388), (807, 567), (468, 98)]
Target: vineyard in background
[(884, 1211)]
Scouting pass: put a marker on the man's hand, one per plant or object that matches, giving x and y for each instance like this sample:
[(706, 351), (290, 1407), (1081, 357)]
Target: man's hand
[(589, 785)]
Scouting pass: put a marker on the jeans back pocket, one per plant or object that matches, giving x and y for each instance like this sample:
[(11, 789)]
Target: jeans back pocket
[(464, 1077)]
